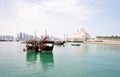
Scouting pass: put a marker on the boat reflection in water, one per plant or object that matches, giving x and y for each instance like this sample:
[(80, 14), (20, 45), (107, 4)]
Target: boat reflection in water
[(46, 60), (31, 55)]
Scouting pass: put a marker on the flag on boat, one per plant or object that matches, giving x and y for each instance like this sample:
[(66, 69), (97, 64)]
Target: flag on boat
[(45, 38)]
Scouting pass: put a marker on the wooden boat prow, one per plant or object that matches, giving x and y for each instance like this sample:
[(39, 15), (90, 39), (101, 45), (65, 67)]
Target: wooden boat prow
[(46, 45), (59, 42)]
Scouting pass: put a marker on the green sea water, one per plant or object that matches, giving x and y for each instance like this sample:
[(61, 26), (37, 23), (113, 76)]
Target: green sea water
[(86, 60)]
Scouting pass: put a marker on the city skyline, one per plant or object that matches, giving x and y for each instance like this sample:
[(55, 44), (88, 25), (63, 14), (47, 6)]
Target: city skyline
[(60, 17)]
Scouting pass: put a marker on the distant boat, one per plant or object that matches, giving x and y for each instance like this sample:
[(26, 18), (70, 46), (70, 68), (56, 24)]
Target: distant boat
[(59, 42), (75, 44)]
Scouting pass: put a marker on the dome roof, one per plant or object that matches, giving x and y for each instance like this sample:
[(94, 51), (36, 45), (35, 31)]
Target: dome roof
[(81, 34)]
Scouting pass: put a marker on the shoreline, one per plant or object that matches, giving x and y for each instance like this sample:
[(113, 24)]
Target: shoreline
[(90, 42), (105, 42)]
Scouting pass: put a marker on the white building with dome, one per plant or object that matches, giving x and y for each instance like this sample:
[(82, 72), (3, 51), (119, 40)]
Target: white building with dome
[(80, 36)]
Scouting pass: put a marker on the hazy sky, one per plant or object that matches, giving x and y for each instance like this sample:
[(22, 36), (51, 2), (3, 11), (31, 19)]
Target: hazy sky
[(59, 17)]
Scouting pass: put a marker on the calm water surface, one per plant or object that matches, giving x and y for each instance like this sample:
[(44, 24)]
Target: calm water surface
[(86, 60)]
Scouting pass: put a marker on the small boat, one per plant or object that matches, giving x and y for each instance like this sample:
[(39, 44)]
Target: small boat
[(59, 42), (75, 44)]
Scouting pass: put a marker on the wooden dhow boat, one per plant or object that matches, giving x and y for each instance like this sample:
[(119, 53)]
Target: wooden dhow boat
[(40, 45)]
